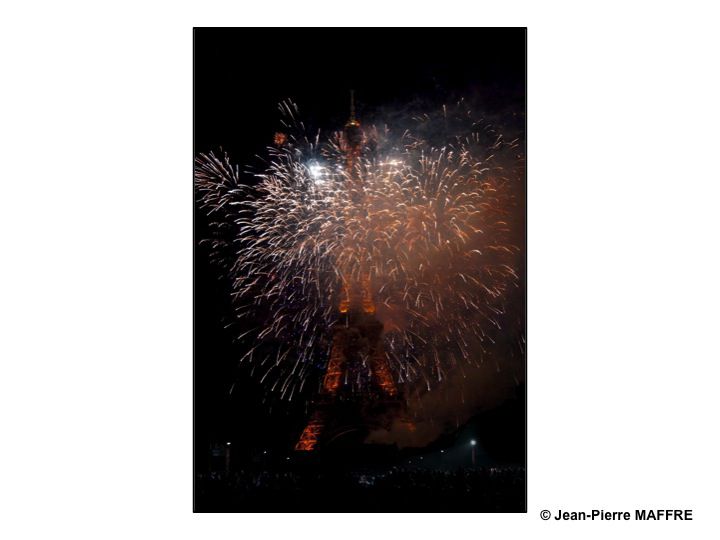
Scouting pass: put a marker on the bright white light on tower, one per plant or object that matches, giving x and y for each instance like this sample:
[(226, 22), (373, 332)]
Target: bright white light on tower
[(473, 442), (317, 172)]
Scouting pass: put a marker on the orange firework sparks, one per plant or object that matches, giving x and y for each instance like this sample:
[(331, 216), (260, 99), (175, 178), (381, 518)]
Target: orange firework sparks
[(279, 138), (412, 226)]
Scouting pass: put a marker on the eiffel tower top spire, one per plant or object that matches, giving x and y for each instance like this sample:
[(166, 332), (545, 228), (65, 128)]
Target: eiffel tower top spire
[(353, 131)]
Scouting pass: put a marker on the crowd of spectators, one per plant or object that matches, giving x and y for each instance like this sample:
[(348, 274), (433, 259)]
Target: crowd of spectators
[(496, 489)]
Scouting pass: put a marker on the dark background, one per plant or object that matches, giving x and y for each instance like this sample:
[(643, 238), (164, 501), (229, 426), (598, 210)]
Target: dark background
[(240, 75)]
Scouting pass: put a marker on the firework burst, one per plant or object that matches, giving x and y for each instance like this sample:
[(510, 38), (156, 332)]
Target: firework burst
[(423, 219)]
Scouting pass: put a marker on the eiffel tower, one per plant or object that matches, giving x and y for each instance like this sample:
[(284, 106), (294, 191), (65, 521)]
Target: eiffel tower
[(358, 387)]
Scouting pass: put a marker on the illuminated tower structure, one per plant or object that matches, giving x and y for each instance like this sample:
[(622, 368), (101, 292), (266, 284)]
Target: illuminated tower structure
[(358, 377)]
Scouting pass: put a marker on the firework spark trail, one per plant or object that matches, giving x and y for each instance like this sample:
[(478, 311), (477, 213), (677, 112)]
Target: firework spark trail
[(430, 225)]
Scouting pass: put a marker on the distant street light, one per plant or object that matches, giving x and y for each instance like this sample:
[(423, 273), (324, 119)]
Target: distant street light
[(473, 444)]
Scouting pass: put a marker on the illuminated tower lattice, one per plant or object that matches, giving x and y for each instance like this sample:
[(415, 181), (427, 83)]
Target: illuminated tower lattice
[(357, 338)]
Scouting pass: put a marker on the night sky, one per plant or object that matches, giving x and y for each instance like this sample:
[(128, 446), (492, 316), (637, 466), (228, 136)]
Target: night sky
[(240, 76)]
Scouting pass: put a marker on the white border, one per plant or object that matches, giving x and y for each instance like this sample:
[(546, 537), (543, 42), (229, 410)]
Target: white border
[(97, 268)]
